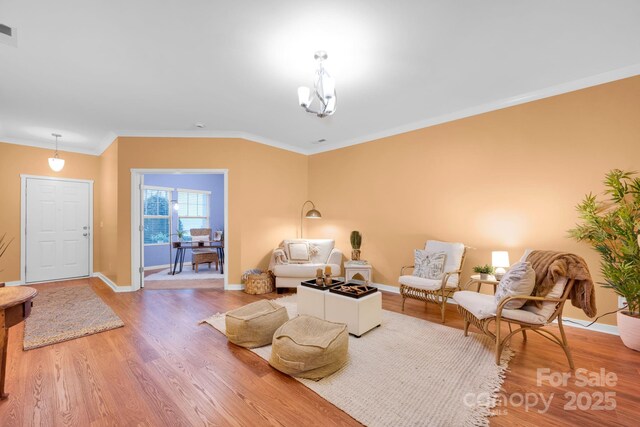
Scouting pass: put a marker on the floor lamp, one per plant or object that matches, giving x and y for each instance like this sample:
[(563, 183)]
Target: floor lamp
[(311, 214), (176, 206)]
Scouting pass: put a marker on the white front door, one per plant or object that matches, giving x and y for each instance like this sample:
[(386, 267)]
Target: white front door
[(57, 229)]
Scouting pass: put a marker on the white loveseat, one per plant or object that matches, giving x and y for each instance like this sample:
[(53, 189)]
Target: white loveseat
[(289, 273)]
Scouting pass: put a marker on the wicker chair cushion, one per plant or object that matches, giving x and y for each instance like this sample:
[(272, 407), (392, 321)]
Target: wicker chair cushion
[(420, 283), (548, 307), (429, 265), (519, 281), (484, 306), (454, 252), (254, 324), (309, 347)]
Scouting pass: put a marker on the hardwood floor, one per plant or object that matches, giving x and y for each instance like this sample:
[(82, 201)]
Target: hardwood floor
[(163, 368), (181, 284)]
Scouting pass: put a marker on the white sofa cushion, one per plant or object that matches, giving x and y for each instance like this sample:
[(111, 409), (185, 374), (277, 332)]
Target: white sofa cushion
[(484, 306), (429, 265), (420, 283), (454, 253), (298, 252), (320, 249), (303, 270), (519, 281)]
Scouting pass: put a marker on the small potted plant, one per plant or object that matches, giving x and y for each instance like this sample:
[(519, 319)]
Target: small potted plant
[(612, 227), (484, 271), (180, 234), (3, 248), (356, 242)]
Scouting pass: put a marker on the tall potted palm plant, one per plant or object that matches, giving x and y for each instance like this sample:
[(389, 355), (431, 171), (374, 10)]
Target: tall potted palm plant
[(611, 226)]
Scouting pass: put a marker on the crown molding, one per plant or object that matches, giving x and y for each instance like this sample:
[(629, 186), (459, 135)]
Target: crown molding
[(598, 79), (574, 85), (105, 143), (48, 145)]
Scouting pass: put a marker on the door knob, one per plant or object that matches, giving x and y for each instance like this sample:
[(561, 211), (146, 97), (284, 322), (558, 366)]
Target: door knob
[(85, 234)]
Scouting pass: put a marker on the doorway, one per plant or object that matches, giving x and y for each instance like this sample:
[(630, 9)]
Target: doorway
[(179, 228), (56, 221)]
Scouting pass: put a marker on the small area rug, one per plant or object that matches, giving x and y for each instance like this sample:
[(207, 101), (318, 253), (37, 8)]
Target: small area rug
[(409, 372), (187, 274), (64, 314)]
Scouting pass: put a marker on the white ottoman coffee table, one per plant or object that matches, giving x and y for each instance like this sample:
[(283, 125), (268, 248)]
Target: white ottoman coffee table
[(360, 314), (311, 301)]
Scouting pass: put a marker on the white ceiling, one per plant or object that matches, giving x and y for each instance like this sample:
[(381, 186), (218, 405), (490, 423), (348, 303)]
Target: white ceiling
[(94, 70)]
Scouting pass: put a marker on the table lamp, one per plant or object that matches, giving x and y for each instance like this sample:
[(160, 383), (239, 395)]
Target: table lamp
[(500, 261)]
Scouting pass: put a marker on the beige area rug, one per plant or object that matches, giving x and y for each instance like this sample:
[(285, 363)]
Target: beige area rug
[(409, 372), (64, 314)]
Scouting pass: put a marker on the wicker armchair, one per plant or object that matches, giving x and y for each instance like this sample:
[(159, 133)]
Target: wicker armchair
[(203, 255), (435, 291), (481, 310)]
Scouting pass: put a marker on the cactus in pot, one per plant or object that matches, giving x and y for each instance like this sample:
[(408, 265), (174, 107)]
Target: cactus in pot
[(356, 241)]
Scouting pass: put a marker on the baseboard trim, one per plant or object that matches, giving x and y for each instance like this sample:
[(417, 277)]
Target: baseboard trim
[(111, 284), (234, 287), (387, 288), (596, 327), (14, 283)]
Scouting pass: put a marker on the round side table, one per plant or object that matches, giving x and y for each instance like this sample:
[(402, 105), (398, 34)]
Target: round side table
[(476, 280)]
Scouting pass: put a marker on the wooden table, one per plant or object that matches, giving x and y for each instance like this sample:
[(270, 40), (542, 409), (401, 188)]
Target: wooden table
[(15, 306), (181, 248)]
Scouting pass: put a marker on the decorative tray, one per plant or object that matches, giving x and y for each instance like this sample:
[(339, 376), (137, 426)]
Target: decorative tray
[(312, 284), (353, 290)]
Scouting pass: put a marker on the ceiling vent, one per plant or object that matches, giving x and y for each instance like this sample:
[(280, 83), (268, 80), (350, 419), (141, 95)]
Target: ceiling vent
[(8, 35)]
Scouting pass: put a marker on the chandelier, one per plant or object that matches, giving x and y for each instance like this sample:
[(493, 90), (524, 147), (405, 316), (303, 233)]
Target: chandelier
[(324, 91)]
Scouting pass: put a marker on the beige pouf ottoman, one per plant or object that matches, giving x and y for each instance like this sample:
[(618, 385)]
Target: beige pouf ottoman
[(254, 324), (309, 347)]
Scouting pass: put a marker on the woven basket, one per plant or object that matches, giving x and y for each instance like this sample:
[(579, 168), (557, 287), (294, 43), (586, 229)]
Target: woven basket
[(257, 284)]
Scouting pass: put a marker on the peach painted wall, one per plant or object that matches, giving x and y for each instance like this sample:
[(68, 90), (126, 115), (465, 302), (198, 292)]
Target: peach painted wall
[(505, 180), (108, 215), (267, 186), (16, 160)]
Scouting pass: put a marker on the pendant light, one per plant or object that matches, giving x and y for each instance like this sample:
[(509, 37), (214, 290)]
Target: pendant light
[(56, 163)]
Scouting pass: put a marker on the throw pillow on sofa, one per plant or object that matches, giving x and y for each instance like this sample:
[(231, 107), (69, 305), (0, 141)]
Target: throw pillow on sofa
[(428, 264), (299, 253), (518, 281)]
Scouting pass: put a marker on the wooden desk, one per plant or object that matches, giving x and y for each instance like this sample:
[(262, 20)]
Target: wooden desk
[(181, 248), (15, 306)]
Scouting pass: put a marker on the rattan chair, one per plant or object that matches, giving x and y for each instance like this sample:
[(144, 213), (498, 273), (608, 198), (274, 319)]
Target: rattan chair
[(435, 291), (481, 311), (203, 255)]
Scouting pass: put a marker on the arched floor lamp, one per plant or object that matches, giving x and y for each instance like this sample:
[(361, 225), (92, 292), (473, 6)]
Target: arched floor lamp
[(311, 214)]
